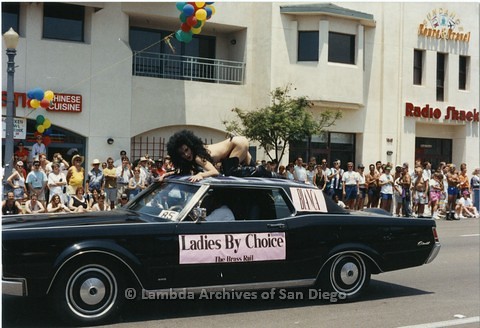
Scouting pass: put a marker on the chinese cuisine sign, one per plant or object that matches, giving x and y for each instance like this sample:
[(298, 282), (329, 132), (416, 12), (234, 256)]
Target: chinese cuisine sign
[(228, 248), (308, 200)]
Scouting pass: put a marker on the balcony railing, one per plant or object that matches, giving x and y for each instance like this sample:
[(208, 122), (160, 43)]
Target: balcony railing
[(188, 68)]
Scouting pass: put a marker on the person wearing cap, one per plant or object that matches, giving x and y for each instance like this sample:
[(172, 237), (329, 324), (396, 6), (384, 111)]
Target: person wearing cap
[(465, 208), (350, 181), (144, 170), (22, 153), (75, 175), (37, 182), (17, 181), (38, 148), (110, 185), (95, 178), (362, 188), (123, 200), (386, 189)]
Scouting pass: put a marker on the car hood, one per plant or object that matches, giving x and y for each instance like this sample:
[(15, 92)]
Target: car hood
[(70, 219)]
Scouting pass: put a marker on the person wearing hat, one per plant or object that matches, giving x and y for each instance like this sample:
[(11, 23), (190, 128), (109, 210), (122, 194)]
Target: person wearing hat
[(75, 175), (37, 182), (123, 200), (386, 189), (362, 188), (95, 178), (22, 153), (465, 208), (143, 165), (17, 181), (38, 147)]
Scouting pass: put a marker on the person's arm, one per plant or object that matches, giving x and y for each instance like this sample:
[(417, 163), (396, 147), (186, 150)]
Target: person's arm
[(70, 204), (20, 209), (11, 178), (208, 170)]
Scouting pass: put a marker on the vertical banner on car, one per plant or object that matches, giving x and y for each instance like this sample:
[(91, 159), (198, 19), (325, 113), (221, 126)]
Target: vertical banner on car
[(228, 248), (308, 200)]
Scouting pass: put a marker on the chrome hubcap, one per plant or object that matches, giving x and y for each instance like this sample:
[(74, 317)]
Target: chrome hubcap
[(349, 273), (92, 291)]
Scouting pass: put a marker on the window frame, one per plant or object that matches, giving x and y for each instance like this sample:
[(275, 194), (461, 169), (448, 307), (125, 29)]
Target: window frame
[(463, 64), (12, 8), (300, 46), (418, 56), (352, 49), (52, 6), (440, 77)]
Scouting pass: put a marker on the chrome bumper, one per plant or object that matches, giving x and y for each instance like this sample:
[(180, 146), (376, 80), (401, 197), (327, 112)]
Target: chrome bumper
[(433, 253), (14, 286)]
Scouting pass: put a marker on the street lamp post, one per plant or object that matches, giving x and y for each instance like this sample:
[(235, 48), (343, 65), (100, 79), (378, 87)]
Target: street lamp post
[(11, 40)]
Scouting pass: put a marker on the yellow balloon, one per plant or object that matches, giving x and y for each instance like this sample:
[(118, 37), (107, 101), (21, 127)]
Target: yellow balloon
[(34, 103), (49, 95), (40, 129), (212, 7), (46, 124), (200, 4), (196, 30), (201, 14)]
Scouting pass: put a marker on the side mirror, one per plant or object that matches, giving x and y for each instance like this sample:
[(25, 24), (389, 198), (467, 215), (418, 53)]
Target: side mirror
[(199, 214)]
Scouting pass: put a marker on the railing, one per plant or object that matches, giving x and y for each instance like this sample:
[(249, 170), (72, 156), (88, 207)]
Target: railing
[(189, 68)]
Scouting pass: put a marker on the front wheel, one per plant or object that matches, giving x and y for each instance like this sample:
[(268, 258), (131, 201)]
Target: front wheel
[(348, 275), (88, 293)]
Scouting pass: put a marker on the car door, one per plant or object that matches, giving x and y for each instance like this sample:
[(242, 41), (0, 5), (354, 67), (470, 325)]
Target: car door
[(251, 249)]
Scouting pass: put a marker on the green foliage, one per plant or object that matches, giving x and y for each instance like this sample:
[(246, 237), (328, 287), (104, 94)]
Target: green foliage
[(286, 120)]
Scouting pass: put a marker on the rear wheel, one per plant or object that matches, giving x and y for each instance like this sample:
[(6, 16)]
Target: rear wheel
[(88, 293), (348, 275)]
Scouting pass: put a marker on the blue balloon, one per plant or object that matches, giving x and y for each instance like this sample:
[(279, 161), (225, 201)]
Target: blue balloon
[(38, 94), (209, 3), (47, 132), (188, 10), (209, 11), (30, 94)]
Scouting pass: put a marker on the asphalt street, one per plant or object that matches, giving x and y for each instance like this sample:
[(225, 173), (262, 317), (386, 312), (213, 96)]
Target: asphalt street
[(443, 293)]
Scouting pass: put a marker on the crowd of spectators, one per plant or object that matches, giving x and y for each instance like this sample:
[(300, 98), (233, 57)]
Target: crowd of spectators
[(444, 192), (39, 185)]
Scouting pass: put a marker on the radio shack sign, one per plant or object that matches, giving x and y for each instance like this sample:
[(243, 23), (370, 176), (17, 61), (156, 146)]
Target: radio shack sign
[(62, 102), (452, 113)]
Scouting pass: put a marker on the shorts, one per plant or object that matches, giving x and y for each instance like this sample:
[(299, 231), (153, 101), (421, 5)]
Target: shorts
[(372, 192), (41, 196), (111, 194), (435, 195), (362, 192), (452, 191), (351, 192), (386, 196), (398, 198), (420, 197)]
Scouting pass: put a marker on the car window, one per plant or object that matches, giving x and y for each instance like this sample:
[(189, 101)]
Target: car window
[(164, 200), (246, 204)]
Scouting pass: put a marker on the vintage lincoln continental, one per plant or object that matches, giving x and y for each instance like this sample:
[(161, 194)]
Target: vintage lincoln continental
[(221, 233)]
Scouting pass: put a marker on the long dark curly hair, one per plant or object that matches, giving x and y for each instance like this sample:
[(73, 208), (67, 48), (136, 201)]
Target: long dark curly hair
[(186, 137)]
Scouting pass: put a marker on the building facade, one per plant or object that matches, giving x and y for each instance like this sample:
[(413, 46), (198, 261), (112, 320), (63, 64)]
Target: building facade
[(404, 75)]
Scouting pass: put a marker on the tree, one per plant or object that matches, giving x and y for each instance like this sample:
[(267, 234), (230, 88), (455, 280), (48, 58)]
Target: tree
[(286, 120)]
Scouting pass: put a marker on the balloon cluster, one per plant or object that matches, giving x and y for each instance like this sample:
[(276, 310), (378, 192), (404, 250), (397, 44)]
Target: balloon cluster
[(193, 17), (38, 98)]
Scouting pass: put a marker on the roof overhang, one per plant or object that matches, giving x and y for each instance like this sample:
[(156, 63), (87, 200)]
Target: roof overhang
[(329, 10)]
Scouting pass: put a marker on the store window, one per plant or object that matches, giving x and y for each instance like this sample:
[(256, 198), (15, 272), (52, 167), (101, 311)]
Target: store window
[(341, 48), (433, 150), (63, 21), (418, 56), (10, 16), (462, 72), (308, 46), (441, 60)]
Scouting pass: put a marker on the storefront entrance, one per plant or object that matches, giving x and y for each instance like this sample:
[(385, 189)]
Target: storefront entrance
[(433, 150)]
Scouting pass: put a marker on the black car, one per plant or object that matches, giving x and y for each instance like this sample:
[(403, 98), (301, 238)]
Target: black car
[(271, 233)]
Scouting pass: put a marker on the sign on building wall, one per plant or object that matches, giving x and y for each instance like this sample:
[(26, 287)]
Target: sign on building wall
[(62, 102), (441, 23), (451, 113), (19, 127)]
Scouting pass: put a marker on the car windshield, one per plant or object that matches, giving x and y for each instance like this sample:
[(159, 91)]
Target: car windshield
[(165, 200)]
